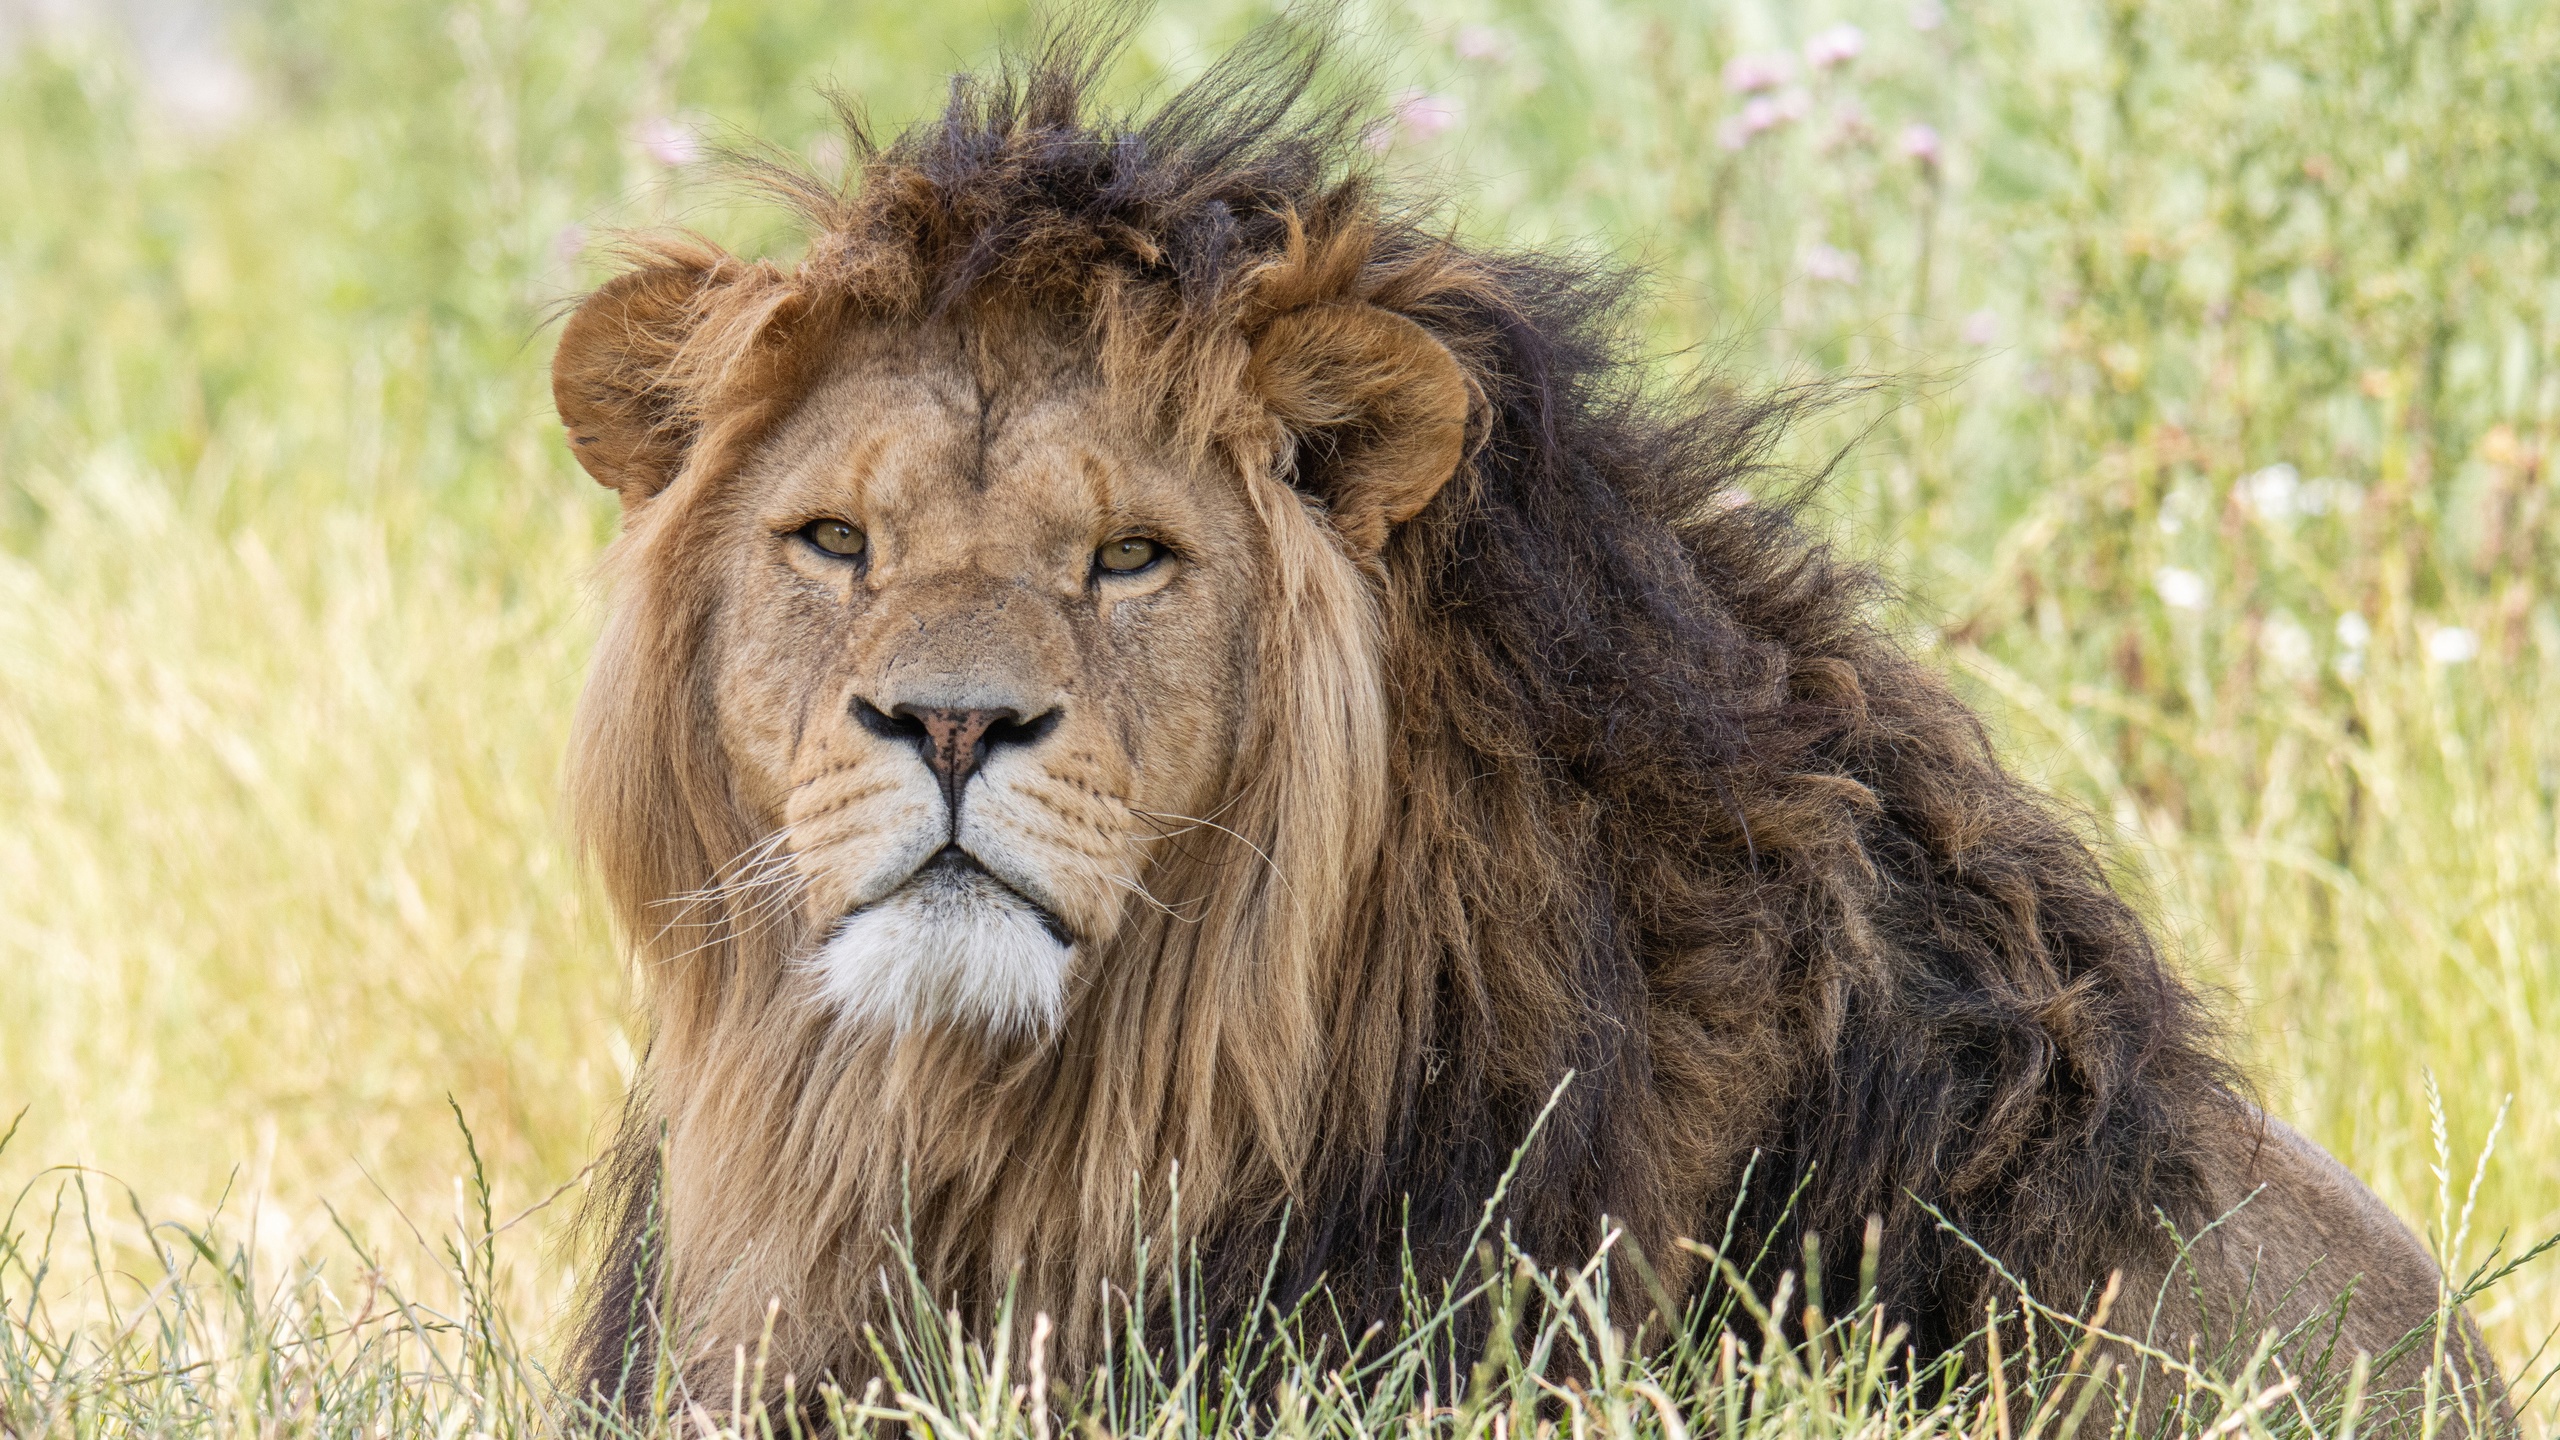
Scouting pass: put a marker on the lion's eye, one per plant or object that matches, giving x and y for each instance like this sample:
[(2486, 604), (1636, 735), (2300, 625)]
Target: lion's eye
[(1127, 554), (835, 537)]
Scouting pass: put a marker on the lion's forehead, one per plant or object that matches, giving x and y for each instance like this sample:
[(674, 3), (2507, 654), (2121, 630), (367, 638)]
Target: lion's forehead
[(945, 460)]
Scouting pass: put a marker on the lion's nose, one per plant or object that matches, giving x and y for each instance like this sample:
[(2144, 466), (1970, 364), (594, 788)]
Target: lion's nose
[(954, 742)]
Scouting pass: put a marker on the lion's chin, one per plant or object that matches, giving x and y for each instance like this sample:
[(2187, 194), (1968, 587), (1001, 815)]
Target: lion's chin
[(954, 946)]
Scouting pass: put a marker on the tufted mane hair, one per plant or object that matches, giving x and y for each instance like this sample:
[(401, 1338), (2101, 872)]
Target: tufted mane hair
[(1599, 764)]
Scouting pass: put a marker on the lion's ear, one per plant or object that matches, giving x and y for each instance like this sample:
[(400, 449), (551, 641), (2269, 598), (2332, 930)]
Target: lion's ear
[(1378, 409), (610, 378)]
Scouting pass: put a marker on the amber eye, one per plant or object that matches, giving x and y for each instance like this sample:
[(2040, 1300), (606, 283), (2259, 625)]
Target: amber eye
[(835, 537), (1127, 554)]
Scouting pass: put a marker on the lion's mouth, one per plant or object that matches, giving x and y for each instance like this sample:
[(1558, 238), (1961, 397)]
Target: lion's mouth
[(954, 943), (954, 872)]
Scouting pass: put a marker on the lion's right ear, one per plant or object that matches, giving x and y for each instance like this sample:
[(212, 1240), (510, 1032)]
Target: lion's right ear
[(610, 378)]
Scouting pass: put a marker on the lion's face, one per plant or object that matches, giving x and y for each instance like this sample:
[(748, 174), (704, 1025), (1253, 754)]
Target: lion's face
[(982, 646), (940, 638)]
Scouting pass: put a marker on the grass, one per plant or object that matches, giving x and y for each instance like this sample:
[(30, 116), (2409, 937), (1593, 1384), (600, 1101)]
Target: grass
[(2218, 473), (193, 1331)]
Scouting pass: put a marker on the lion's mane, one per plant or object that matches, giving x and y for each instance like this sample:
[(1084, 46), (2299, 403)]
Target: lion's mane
[(1595, 768)]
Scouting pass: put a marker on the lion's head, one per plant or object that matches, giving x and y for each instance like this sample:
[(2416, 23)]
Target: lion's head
[(1148, 690), (976, 643)]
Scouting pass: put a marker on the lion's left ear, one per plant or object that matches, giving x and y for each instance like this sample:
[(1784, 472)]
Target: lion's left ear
[(1377, 406)]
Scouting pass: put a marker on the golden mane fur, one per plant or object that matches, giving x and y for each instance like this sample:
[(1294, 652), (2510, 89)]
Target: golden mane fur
[(1577, 762)]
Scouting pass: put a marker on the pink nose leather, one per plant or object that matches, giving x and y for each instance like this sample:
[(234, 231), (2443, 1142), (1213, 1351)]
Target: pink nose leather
[(955, 743)]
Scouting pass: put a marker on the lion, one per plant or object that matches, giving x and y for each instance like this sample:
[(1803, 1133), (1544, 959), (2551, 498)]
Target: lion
[(1154, 697)]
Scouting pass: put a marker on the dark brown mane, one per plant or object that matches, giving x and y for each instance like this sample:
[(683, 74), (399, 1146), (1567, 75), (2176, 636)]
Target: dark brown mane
[(1668, 810)]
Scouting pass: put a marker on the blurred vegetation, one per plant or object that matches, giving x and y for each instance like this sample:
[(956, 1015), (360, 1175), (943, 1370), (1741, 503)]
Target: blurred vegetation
[(2217, 468)]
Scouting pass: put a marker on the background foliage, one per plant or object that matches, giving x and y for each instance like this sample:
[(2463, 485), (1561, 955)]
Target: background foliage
[(2216, 466)]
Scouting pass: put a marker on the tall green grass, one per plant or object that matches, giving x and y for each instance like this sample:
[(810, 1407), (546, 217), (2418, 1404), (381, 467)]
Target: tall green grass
[(2217, 468)]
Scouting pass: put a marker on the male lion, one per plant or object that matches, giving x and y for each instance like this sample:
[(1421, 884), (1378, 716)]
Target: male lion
[(1136, 660)]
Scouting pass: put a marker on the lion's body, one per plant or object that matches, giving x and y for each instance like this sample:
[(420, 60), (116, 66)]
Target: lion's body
[(1577, 763)]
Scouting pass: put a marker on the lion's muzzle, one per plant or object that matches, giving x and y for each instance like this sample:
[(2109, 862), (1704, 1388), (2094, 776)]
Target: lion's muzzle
[(956, 922)]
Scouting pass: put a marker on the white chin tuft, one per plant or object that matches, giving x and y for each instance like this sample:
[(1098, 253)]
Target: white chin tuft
[(946, 951)]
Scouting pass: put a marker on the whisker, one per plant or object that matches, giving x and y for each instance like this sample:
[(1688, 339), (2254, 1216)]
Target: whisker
[(766, 914), (729, 874), (1195, 820), (1141, 891), (1192, 823), (749, 894)]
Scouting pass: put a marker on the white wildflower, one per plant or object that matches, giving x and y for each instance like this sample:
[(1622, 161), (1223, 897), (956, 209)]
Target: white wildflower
[(2274, 493), (2180, 589), (2287, 645), (2452, 645)]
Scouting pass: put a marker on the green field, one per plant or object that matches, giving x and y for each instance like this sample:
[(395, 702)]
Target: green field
[(2217, 349)]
